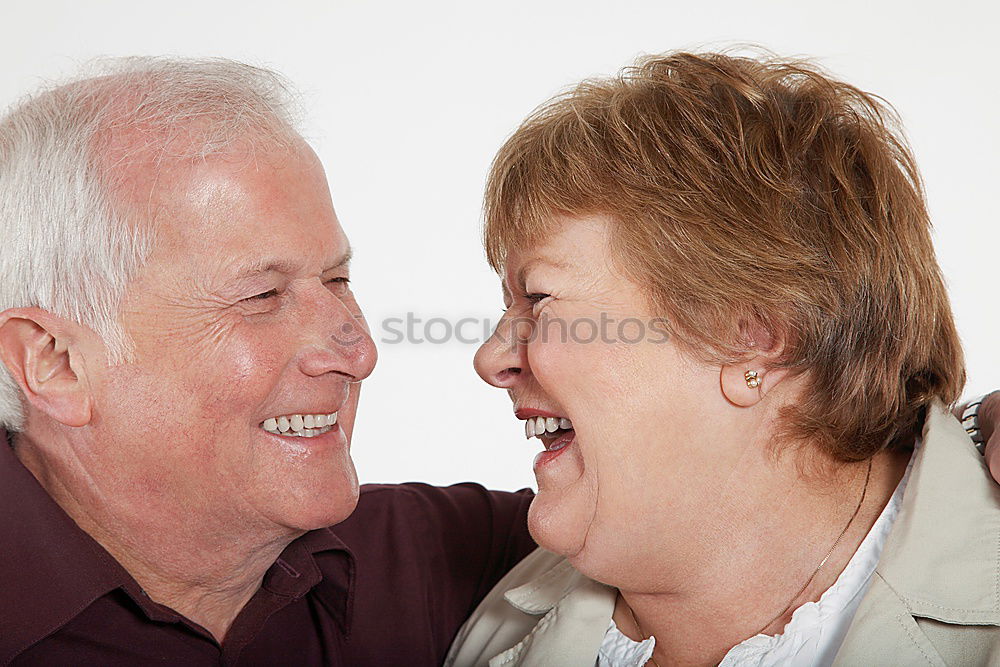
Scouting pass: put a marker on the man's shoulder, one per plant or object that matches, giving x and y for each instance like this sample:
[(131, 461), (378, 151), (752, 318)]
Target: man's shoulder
[(418, 511), (50, 568), (420, 494), (444, 547)]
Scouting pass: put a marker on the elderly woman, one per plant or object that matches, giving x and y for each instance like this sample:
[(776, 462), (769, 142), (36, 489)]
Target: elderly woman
[(727, 327)]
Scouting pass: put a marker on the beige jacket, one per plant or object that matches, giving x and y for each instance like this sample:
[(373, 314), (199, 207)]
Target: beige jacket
[(934, 598)]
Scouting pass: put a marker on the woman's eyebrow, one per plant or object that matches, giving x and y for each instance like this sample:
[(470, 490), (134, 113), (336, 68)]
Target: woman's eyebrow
[(554, 263)]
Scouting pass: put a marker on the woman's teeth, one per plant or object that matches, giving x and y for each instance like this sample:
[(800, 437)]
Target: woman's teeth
[(305, 426), (539, 426)]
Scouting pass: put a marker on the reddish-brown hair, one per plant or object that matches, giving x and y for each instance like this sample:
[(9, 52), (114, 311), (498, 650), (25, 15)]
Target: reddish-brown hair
[(747, 192)]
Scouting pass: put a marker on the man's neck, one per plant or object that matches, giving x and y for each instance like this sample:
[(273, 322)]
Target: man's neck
[(760, 568), (211, 591), (202, 568)]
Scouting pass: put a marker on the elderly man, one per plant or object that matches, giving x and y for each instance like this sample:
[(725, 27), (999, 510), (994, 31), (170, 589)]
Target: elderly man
[(184, 357)]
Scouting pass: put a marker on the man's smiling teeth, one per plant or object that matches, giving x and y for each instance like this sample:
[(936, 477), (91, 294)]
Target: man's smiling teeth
[(539, 426), (305, 426)]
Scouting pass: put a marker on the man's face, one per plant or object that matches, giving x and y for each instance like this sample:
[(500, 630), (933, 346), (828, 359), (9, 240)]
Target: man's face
[(242, 315)]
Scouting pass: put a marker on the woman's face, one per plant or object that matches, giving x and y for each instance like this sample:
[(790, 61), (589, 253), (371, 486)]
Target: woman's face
[(641, 466)]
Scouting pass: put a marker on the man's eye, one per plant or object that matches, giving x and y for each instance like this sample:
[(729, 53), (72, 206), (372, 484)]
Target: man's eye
[(263, 295), (339, 284)]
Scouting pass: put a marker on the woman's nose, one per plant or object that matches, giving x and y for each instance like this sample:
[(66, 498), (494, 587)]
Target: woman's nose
[(502, 360)]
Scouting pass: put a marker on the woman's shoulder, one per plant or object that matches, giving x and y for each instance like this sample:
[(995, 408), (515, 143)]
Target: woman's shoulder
[(934, 591)]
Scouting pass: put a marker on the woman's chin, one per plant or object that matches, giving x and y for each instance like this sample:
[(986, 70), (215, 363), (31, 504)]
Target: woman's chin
[(561, 513), (559, 520)]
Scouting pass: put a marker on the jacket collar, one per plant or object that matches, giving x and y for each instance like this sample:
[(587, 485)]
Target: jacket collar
[(544, 592), (572, 607), (941, 557), (940, 561)]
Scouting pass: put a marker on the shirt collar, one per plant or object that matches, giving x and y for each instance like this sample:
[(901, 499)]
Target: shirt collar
[(321, 560)]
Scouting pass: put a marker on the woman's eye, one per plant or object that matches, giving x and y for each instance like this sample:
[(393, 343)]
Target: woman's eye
[(536, 300), (263, 295)]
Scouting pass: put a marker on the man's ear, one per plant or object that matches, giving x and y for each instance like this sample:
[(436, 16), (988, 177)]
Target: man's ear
[(42, 354), (747, 382)]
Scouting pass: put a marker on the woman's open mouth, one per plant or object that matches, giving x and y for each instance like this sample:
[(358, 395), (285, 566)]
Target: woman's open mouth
[(556, 433)]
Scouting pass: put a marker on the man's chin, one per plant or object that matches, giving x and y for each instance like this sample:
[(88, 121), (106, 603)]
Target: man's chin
[(312, 496), (320, 512)]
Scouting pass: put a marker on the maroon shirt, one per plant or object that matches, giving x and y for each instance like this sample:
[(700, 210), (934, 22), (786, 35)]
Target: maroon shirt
[(389, 586)]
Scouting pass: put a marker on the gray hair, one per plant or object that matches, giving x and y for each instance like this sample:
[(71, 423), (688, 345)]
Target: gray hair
[(68, 246)]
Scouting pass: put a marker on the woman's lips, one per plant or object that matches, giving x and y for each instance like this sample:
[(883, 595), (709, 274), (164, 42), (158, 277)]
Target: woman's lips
[(554, 447)]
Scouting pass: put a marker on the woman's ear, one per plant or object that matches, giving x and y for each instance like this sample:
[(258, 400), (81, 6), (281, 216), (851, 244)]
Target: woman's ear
[(41, 353), (746, 383)]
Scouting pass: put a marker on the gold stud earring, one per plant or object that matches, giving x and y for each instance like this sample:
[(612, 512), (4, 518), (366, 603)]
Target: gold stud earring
[(752, 378)]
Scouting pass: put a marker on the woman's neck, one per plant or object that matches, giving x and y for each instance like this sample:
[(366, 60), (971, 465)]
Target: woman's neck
[(758, 567)]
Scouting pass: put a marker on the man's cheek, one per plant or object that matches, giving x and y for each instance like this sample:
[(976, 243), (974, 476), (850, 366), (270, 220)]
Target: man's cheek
[(243, 374), (350, 410)]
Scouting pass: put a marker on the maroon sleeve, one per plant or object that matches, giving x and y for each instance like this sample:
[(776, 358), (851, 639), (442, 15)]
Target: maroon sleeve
[(485, 534), (426, 556)]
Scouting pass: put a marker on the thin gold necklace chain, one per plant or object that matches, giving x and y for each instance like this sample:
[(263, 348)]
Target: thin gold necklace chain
[(638, 627), (864, 492)]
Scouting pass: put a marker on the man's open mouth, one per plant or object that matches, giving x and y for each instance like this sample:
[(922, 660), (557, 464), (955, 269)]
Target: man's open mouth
[(302, 426)]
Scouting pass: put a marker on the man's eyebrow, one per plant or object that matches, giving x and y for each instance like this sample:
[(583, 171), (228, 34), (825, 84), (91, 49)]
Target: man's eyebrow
[(344, 260), (284, 266), (250, 269)]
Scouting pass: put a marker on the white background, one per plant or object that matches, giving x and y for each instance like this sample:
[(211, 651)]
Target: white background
[(407, 102)]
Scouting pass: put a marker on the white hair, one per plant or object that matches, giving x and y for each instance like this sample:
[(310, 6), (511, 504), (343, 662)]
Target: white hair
[(68, 246)]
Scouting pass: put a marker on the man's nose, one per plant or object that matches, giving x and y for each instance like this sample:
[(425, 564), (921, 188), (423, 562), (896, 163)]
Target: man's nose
[(502, 360), (345, 346)]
